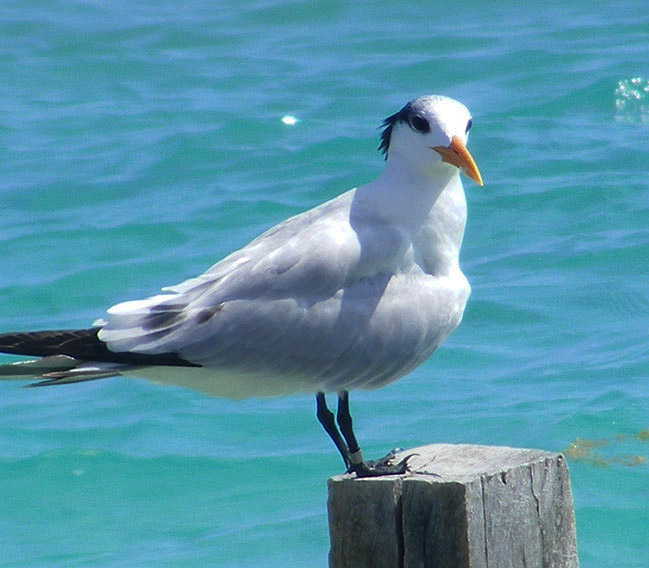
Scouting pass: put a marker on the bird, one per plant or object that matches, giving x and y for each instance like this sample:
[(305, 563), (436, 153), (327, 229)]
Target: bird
[(352, 294)]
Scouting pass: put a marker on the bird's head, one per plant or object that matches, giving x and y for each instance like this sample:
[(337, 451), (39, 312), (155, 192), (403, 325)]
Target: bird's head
[(429, 131)]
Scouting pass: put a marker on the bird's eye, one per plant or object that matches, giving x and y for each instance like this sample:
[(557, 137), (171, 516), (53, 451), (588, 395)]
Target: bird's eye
[(469, 125), (419, 123)]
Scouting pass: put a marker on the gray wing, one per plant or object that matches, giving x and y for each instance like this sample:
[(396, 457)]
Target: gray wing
[(298, 300)]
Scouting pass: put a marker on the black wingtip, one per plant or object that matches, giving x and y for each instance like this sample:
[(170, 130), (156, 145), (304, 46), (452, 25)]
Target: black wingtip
[(82, 344)]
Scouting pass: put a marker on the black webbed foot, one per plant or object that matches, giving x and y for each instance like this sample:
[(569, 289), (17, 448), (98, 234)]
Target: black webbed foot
[(382, 466), (347, 445)]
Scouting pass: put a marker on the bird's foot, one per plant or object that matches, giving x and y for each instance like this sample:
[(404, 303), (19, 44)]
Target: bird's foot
[(382, 466)]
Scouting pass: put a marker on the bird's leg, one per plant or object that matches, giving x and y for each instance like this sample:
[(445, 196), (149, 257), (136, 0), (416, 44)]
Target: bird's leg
[(375, 468), (346, 426), (326, 418)]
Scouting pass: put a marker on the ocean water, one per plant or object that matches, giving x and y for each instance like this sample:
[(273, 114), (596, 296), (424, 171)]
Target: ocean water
[(142, 142)]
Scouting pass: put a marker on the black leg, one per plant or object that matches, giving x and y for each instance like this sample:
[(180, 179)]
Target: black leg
[(326, 418), (345, 422), (349, 448)]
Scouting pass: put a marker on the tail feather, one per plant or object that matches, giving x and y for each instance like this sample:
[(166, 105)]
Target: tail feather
[(37, 367), (72, 356), (59, 370), (80, 374)]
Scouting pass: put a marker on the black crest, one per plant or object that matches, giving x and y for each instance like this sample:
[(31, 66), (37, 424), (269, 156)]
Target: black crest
[(388, 124)]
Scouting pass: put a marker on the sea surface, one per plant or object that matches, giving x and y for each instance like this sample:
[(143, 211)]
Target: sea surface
[(141, 142)]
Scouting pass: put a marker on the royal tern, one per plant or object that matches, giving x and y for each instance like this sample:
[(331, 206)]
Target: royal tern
[(354, 293)]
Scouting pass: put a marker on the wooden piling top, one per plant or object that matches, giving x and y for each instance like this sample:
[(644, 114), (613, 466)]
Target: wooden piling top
[(460, 506)]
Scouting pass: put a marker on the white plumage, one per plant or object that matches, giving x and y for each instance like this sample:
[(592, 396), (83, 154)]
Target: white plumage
[(351, 294)]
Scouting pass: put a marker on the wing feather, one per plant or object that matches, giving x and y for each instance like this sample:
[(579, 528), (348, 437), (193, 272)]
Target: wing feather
[(300, 300)]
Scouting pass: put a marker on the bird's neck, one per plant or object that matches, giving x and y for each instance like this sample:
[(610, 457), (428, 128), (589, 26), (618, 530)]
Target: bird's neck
[(407, 197), (429, 207)]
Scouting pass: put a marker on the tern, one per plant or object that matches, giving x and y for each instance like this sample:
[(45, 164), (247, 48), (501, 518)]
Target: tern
[(352, 294)]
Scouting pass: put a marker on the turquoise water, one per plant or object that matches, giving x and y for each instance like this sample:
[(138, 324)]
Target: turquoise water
[(142, 143)]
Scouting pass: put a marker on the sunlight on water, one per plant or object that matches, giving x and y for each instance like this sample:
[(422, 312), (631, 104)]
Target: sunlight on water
[(141, 142), (632, 100)]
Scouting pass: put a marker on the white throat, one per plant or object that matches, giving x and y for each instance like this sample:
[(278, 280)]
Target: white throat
[(406, 197)]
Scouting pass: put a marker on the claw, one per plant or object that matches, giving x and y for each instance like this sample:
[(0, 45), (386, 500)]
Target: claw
[(382, 466)]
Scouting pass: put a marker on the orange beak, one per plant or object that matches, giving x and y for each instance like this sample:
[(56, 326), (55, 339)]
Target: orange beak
[(457, 154)]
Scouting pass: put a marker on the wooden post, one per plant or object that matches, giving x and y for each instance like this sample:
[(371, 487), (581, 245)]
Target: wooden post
[(461, 506)]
